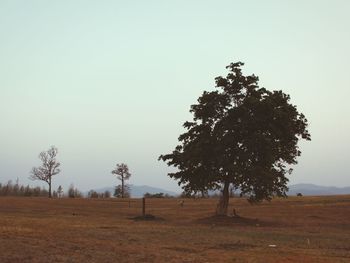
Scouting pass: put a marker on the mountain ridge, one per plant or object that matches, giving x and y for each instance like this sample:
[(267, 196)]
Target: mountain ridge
[(313, 189)]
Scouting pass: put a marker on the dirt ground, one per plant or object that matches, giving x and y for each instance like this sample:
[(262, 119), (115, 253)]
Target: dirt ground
[(297, 229)]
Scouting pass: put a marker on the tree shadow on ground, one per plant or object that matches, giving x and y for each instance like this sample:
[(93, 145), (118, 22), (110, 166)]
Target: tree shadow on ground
[(147, 217), (235, 221)]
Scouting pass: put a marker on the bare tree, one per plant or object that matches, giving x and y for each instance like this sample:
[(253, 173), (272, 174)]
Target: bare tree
[(48, 168), (122, 173)]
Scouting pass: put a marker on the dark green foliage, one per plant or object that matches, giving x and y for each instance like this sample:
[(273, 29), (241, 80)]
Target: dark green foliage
[(241, 135)]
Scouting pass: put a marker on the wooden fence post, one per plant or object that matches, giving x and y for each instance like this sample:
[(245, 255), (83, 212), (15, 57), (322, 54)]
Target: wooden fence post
[(143, 206)]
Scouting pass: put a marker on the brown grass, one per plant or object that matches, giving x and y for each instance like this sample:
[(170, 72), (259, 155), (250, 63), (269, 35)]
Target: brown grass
[(303, 229)]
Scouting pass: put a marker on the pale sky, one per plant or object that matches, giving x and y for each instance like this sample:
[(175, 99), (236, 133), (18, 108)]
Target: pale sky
[(112, 81)]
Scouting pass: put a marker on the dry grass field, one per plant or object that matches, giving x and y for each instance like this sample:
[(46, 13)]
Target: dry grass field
[(301, 229)]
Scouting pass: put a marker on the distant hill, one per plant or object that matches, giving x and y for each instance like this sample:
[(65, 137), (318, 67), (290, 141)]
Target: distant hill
[(139, 190), (311, 189)]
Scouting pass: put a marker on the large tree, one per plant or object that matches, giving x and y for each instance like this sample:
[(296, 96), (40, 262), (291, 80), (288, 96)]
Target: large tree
[(48, 168), (241, 135), (123, 174)]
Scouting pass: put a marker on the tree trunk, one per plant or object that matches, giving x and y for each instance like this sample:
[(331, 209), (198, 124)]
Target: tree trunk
[(222, 206), (49, 187), (122, 186)]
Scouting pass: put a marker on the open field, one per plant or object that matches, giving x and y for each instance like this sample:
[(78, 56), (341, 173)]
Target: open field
[(304, 229)]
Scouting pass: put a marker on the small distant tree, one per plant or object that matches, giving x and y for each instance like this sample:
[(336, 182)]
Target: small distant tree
[(49, 167), (73, 192), (121, 192), (21, 190), (27, 191), (92, 194), (107, 194), (123, 174), (147, 195), (16, 187), (37, 191), (60, 191)]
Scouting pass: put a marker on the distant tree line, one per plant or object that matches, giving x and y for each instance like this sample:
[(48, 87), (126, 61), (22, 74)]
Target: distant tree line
[(94, 194), (15, 189), (157, 195)]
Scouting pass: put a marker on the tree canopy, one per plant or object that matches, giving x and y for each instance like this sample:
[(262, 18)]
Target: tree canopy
[(241, 134)]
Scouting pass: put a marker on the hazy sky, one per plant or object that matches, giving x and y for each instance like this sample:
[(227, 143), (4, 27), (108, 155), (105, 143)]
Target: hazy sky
[(112, 81)]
